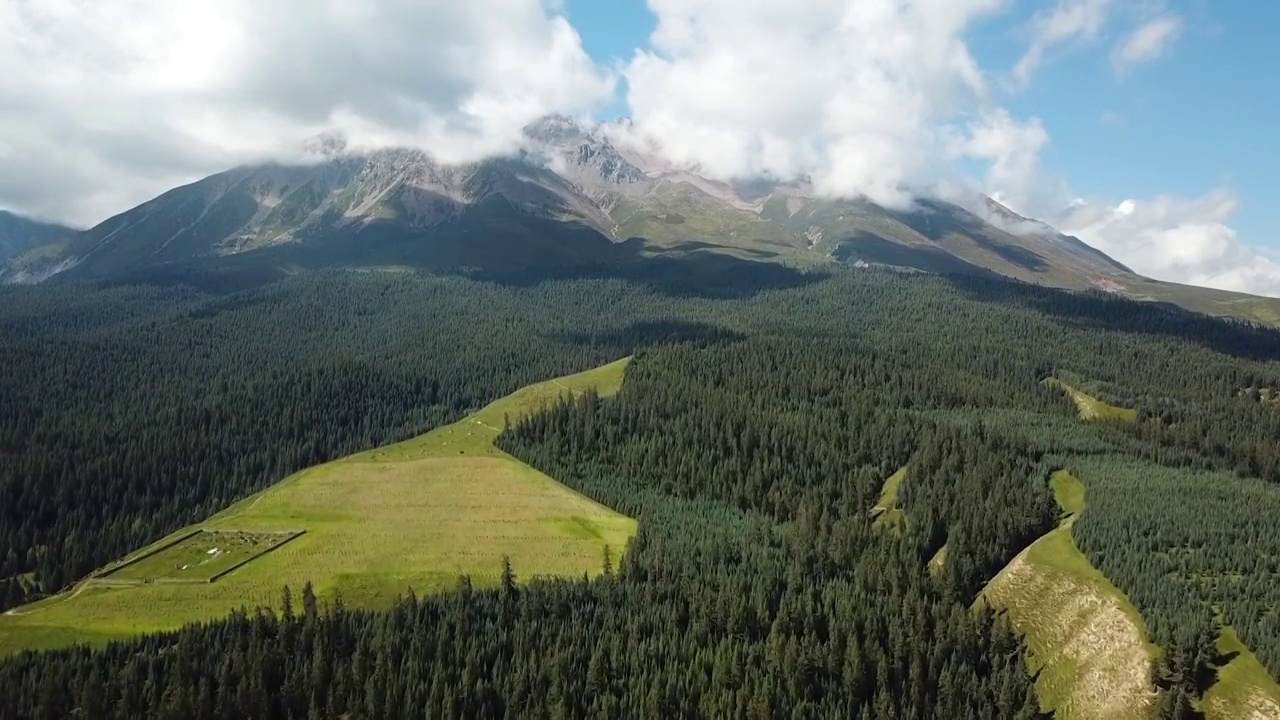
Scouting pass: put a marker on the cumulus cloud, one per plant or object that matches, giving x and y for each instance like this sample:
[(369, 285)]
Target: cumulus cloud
[(1188, 240), (1180, 239), (1068, 20), (855, 96), (1011, 147), (105, 104), (1148, 42)]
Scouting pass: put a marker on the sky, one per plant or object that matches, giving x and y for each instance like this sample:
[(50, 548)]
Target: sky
[(1142, 126)]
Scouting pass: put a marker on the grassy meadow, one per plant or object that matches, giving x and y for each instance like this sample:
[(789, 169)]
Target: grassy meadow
[(413, 515), (1244, 689)]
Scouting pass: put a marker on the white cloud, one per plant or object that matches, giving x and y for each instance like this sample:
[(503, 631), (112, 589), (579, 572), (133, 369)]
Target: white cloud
[(1069, 20), (105, 104), (1148, 42), (854, 95), (1012, 149), (1170, 238), (1178, 239)]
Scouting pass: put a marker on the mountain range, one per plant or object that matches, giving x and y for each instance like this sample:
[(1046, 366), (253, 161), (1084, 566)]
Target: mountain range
[(573, 197)]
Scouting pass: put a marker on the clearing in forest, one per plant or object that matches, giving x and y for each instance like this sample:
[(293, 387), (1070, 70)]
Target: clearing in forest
[(417, 514), (1092, 408), (886, 513), (1087, 641), (1244, 689), (938, 563)]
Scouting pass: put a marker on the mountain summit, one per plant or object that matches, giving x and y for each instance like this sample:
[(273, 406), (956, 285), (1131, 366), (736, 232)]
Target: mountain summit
[(572, 196)]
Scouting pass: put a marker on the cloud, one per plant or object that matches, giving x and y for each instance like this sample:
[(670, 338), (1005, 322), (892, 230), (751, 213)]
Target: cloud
[(857, 96), (1184, 240), (1012, 148), (1148, 42), (106, 104), (1069, 20), (1188, 240)]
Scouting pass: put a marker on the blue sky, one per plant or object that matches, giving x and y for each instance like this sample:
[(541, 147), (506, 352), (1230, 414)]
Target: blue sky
[(1202, 116)]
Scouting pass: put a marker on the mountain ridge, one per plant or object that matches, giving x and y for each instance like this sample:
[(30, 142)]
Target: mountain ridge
[(20, 234), (572, 196)]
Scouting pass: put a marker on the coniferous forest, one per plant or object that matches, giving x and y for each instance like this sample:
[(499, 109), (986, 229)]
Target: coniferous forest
[(751, 437)]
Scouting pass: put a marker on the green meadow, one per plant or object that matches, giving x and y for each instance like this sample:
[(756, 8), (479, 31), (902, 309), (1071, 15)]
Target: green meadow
[(415, 515)]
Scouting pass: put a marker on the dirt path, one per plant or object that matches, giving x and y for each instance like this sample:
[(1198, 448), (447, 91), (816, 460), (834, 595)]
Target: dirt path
[(73, 595)]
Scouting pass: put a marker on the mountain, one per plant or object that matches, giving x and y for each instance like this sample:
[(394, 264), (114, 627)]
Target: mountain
[(19, 234), (575, 196)]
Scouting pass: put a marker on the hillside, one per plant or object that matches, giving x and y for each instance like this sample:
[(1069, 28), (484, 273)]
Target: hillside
[(574, 198), (19, 235)]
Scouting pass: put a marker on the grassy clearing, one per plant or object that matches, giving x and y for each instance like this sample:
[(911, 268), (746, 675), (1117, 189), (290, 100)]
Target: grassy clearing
[(416, 514), (938, 563), (886, 513), (1088, 642), (1092, 408), (1244, 690)]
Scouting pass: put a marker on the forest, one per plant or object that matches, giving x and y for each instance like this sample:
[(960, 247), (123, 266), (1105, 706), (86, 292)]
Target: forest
[(756, 424)]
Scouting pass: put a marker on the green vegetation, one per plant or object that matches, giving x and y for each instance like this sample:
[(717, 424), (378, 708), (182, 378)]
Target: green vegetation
[(1087, 641), (202, 556), (886, 512), (411, 516), (1092, 408), (761, 416), (1243, 689)]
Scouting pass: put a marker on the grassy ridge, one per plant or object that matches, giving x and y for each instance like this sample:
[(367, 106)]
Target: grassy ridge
[(1088, 642), (416, 514)]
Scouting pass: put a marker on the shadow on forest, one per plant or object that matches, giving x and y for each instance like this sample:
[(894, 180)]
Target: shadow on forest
[(1096, 310), (646, 333), (546, 252), (697, 274)]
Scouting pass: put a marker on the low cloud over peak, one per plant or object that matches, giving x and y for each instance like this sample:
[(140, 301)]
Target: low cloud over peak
[(108, 104)]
